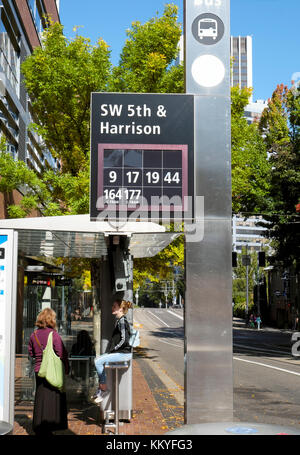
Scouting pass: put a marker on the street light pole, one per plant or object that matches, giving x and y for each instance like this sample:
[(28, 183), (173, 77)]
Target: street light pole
[(63, 309), (166, 294), (137, 296), (258, 289)]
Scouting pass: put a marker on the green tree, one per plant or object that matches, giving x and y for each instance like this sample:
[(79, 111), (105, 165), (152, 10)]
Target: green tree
[(147, 65), (280, 125), (250, 165), (16, 175), (161, 266), (59, 78), (147, 59), (157, 41)]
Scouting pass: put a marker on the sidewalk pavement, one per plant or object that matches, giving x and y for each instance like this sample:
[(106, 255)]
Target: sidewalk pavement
[(239, 323), (147, 417)]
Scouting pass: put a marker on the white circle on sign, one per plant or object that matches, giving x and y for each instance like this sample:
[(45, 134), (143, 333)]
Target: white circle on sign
[(208, 71)]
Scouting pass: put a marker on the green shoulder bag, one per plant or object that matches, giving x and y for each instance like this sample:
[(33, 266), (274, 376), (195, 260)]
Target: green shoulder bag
[(52, 368)]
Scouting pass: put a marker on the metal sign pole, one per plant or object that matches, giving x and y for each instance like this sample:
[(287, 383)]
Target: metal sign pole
[(208, 312)]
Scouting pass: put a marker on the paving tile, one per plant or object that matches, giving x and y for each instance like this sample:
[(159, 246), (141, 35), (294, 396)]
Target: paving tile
[(147, 418)]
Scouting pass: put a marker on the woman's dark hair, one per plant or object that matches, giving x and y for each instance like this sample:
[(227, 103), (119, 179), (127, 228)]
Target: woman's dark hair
[(83, 345), (84, 339)]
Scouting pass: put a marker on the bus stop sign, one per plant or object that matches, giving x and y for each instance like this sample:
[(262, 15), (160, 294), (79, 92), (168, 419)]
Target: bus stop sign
[(142, 149)]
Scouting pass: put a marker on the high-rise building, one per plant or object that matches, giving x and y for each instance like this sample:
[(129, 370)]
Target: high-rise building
[(253, 111), (242, 63), (248, 232), (21, 25), (242, 74)]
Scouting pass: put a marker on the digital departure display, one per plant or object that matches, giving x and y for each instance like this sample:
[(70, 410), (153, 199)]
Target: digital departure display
[(138, 174)]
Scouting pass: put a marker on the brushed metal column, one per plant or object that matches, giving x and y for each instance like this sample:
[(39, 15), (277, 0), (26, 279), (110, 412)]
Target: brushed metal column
[(107, 295), (208, 310)]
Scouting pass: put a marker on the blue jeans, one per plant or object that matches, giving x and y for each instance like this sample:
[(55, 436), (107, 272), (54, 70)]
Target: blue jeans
[(101, 360)]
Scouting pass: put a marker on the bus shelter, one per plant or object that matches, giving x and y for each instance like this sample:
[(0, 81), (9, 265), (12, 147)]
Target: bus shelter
[(40, 240)]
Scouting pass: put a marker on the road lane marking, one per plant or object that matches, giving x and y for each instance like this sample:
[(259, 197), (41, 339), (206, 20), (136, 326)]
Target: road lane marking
[(177, 315), (267, 366), (171, 344), (260, 349), (150, 321), (159, 319)]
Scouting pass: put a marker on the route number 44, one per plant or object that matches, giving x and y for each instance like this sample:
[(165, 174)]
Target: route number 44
[(172, 179)]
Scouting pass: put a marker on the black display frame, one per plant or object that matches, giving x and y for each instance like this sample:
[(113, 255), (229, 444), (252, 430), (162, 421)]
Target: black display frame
[(176, 132)]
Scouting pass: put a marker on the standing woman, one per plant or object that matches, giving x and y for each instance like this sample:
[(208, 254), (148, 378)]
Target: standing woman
[(50, 405), (119, 348)]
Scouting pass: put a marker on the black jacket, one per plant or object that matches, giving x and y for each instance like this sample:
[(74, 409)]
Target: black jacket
[(120, 337)]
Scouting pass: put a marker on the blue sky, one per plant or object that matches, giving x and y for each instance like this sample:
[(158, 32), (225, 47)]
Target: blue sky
[(274, 25)]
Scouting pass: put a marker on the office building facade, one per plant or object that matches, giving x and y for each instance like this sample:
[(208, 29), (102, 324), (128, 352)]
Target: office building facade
[(253, 111), (242, 61), (21, 25), (248, 232)]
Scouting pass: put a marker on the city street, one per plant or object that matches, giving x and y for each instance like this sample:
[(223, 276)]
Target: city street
[(150, 150), (160, 358), (163, 335), (266, 376)]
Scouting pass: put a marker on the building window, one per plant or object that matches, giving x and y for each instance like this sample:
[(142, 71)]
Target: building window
[(235, 45), (37, 14), (9, 58), (12, 150)]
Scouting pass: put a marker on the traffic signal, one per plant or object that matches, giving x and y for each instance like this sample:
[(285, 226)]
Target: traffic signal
[(262, 259), (234, 259)]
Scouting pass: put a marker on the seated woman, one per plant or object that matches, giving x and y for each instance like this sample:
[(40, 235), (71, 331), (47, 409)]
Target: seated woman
[(119, 348)]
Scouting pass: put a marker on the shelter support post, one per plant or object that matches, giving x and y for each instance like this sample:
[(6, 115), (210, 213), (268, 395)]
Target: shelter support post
[(116, 279)]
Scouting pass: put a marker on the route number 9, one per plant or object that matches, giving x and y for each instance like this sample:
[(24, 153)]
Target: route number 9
[(112, 176)]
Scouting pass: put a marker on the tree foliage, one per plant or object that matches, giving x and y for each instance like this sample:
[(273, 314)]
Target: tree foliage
[(59, 78), (148, 54), (250, 166), (280, 125), (160, 267), (15, 174)]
